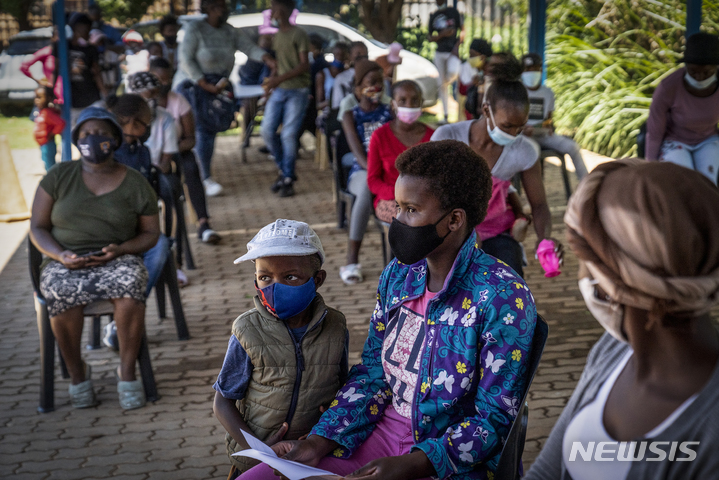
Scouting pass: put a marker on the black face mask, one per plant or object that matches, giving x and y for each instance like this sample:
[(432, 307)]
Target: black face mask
[(171, 40), (412, 244), (165, 89), (96, 148)]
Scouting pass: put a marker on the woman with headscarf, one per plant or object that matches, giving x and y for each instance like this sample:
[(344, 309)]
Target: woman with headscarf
[(683, 117), (648, 237)]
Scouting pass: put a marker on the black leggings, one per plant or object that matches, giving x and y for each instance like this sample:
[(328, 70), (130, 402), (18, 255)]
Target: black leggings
[(507, 249), (188, 165)]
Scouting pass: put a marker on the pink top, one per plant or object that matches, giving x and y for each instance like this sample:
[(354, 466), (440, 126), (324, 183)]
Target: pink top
[(45, 56), (676, 114), (177, 106), (401, 351), (500, 216)]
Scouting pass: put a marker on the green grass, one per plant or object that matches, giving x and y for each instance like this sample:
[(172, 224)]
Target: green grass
[(19, 132)]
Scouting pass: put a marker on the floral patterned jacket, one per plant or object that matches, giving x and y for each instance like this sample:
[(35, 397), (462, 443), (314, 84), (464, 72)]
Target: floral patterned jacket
[(473, 368)]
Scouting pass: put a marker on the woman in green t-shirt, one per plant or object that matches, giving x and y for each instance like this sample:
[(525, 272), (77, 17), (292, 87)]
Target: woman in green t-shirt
[(92, 219)]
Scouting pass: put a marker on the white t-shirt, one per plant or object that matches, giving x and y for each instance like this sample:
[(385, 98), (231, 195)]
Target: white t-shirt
[(467, 73), (516, 157), (177, 106), (588, 426), (541, 104), (163, 135), (342, 87)]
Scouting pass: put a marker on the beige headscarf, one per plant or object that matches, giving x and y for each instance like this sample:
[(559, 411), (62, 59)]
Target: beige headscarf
[(649, 234)]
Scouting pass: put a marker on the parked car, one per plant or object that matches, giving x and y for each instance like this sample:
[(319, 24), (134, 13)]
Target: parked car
[(413, 67), (17, 91)]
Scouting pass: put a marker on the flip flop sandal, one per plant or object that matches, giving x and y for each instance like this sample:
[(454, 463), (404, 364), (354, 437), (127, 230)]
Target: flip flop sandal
[(351, 274)]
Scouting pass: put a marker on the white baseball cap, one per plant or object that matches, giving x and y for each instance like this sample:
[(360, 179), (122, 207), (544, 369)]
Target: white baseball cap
[(284, 238)]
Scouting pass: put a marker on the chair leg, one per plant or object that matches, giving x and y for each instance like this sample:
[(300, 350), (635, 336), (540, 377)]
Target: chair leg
[(96, 333), (183, 239), (148, 377), (160, 294), (341, 214), (47, 359), (174, 289), (63, 366), (565, 176)]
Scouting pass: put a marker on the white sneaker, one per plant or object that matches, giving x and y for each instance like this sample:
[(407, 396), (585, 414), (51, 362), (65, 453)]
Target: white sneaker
[(212, 188)]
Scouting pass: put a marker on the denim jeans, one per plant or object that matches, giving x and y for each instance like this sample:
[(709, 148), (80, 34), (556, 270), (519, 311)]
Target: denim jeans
[(48, 152), (285, 107), (507, 249), (703, 157), (154, 260), (205, 147)]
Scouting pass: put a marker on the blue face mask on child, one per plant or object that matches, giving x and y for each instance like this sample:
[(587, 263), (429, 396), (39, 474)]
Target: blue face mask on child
[(285, 301)]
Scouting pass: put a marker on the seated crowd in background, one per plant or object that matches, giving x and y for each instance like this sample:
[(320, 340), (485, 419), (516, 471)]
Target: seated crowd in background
[(456, 226)]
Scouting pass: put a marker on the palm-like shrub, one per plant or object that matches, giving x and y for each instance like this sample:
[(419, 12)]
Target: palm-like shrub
[(604, 61)]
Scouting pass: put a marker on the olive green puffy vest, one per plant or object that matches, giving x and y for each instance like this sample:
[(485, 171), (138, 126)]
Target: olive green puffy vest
[(271, 348)]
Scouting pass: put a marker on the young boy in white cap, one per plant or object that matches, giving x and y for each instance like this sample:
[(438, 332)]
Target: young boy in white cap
[(287, 357)]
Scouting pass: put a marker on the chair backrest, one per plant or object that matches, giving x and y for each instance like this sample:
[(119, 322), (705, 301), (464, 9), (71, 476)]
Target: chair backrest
[(642, 141), (340, 148), (34, 258), (508, 467)]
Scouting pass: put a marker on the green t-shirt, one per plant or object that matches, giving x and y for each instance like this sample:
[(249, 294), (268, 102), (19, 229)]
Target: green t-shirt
[(287, 46), (84, 222)]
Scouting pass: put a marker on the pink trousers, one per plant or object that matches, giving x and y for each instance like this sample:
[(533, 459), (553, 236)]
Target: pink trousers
[(391, 437)]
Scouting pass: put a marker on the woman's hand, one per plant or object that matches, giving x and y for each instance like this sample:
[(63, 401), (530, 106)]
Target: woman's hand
[(110, 252), (308, 452), (278, 436), (71, 260), (208, 87), (403, 467), (558, 249)]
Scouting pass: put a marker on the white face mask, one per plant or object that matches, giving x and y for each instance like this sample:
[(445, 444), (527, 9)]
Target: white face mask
[(531, 79), (694, 83), (610, 315), (499, 136), (408, 114)]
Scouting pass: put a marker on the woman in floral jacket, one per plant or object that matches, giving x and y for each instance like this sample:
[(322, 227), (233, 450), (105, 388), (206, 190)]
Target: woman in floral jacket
[(445, 363)]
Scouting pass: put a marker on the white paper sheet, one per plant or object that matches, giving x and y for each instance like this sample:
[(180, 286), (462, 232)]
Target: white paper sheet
[(292, 470)]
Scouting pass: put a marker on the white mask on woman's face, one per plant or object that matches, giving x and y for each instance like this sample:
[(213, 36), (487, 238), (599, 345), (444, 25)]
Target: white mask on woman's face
[(499, 136), (700, 85), (610, 315)]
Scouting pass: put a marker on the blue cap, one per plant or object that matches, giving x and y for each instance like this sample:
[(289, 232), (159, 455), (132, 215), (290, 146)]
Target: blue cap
[(96, 113)]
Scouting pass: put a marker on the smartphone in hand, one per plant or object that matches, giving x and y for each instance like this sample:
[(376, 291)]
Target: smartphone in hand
[(96, 253)]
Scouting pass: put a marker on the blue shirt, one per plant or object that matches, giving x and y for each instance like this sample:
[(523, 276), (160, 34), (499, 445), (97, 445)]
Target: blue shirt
[(236, 371), (366, 123)]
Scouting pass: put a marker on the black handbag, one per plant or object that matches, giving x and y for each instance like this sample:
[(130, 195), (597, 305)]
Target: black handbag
[(213, 113)]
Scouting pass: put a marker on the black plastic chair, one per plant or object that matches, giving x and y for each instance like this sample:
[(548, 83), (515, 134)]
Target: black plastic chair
[(47, 341), (509, 465), (544, 154), (642, 141), (383, 228), (343, 198)]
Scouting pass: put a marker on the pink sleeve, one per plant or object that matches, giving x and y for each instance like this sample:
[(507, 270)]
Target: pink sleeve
[(657, 121), (38, 56)]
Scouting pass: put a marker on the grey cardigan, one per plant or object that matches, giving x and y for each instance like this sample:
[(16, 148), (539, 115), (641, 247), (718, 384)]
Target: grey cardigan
[(699, 422)]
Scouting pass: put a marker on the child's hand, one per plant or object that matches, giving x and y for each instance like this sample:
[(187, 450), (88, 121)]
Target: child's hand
[(277, 437)]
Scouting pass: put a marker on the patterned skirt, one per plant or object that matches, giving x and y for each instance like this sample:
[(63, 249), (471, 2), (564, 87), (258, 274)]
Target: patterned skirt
[(123, 277)]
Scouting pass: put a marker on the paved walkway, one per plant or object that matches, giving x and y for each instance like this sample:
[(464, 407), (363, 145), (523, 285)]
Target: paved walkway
[(178, 437)]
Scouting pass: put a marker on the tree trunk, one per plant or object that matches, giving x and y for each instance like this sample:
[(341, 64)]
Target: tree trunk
[(381, 18)]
